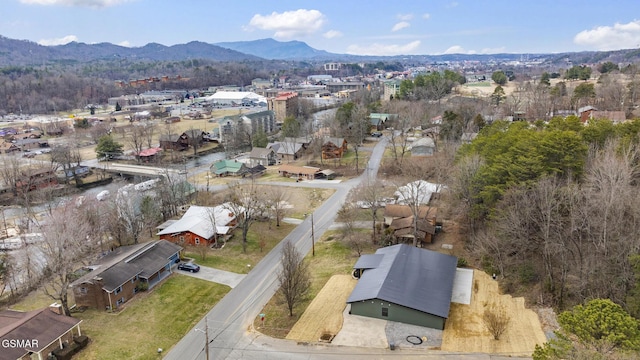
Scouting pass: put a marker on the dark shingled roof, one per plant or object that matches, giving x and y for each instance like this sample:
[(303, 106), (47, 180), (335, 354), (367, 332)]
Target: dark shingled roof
[(43, 325), (412, 277), (126, 262)]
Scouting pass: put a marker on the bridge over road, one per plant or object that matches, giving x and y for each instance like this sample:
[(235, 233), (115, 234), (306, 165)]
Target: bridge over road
[(139, 170)]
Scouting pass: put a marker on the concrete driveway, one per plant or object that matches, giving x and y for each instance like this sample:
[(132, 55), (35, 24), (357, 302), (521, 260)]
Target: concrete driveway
[(361, 331), (214, 275)]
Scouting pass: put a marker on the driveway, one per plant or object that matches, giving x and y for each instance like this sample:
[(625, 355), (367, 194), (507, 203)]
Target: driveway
[(214, 275)]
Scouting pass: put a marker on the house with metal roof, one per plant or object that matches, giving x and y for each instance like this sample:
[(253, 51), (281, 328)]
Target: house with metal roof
[(378, 120), (118, 276), (200, 225), (405, 284), (228, 168)]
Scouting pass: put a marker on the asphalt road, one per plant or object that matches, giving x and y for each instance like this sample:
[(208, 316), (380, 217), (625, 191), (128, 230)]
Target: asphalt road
[(229, 320)]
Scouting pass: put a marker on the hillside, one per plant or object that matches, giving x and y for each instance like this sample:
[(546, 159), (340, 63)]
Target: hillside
[(27, 53)]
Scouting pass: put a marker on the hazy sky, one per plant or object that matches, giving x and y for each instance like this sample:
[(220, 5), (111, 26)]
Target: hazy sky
[(374, 27)]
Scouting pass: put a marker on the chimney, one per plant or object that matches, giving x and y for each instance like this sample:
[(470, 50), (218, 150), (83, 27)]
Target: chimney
[(56, 308)]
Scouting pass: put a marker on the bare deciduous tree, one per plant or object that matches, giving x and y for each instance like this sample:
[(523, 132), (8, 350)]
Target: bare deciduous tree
[(246, 202), (67, 243), (276, 199), (496, 320), (371, 195), (294, 278)]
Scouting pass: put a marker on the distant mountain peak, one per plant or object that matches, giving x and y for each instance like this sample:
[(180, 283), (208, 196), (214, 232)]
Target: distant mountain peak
[(277, 50)]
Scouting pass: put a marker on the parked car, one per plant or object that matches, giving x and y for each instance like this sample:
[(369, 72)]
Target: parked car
[(376, 134), (191, 267)]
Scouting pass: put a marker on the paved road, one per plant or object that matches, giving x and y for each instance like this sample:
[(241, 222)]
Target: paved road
[(231, 317)]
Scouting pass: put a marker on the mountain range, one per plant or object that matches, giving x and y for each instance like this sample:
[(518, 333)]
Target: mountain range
[(27, 53)]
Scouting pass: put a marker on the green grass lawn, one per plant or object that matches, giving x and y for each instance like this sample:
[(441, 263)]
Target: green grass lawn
[(157, 319), (231, 258), (333, 257)]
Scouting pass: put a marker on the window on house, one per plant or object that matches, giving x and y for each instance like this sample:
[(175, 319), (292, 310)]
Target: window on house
[(385, 312), (197, 241), (118, 290), (120, 301), (83, 290), (182, 239)]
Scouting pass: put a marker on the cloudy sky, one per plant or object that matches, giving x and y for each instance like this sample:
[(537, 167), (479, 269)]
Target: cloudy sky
[(374, 27)]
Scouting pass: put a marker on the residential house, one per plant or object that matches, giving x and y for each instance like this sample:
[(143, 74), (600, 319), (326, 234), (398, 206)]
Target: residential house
[(587, 113), (36, 334), (150, 155), (8, 147), (287, 151), (255, 171), (299, 172), (183, 141), (333, 147), (194, 136), (228, 168), (172, 142), (424, 146), (7, 132), (262, 156), (399, 218), (417, 192), (80, 170), (34, 179), (121, 274), (405, 284), (378, 120), (27, 135), (305, 142), (30, 144), (200, 225)]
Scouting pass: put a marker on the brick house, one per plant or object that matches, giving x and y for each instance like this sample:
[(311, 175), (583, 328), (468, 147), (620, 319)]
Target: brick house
[(119, 276)]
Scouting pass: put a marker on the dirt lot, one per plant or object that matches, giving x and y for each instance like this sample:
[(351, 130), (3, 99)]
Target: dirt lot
[(324, 314), (465, 330)]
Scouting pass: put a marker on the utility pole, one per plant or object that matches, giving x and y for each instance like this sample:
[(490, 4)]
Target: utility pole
[(206, 336), (313, 238)]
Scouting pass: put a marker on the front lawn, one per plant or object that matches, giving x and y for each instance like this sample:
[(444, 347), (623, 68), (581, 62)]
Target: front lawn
[(157, 319), (262, 237), (332, 257)]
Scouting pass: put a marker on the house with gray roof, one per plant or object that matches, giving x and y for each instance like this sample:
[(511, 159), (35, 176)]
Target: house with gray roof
[(122, 273), (262, 156), (405, 284), (423, 147)]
